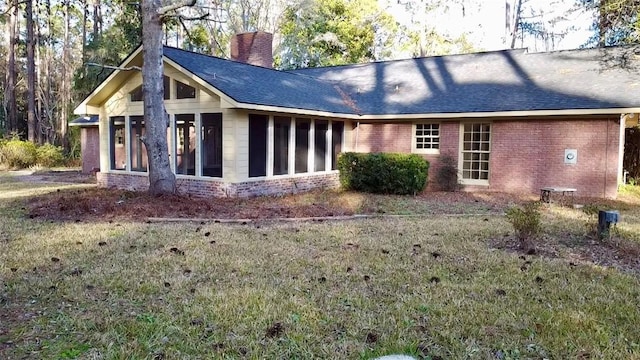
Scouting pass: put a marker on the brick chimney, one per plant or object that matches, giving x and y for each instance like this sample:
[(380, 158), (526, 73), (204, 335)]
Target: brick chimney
[(253, 48)]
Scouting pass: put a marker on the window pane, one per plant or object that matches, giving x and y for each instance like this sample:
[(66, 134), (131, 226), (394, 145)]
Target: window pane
[(184, 91), (337, 129), (320, 143), (475, 152), (185, 144), (138, 150), (281, 127), (136, 94), (427, 136), (166, 82), (258, 145), (118, 142), (302, 145), (211, 151), (485, 136)]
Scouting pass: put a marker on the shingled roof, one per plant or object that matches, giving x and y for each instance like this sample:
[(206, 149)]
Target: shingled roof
[(249, 84), (499, 81)]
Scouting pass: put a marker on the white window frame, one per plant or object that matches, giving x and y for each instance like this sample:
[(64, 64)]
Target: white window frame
[(414, 138), (461, 151)]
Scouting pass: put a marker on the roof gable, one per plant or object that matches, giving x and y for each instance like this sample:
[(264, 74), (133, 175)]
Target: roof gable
[(249, 84)]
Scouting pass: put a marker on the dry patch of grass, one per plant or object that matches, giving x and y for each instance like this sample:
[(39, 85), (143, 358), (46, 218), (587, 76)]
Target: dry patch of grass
[(431, 286)]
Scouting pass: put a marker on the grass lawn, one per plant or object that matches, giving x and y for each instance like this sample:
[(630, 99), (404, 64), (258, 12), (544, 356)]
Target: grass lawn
[(433, 286)]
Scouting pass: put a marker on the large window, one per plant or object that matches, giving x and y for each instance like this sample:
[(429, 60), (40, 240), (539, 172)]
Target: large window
[(185, 144), (136, 94), (138, 150), (258, 125), (476, 148), (427, 137), (303, 127), (117, 143), (184, 91), (337, 129), (320, 144), (304, 146), (211, 145), (281, 127)]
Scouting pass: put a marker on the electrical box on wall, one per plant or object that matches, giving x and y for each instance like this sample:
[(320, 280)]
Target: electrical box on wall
[(570, 156)]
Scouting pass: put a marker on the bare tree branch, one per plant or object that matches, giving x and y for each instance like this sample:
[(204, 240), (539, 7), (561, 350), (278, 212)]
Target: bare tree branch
[(185, 18), (176, 5), (138, 68)]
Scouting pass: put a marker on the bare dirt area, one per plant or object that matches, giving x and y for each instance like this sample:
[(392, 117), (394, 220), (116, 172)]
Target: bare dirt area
[(92, 203)]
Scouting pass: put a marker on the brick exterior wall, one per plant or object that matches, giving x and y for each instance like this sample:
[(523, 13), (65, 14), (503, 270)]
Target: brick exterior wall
[(217, 188), (526, 154), (90, 147), (254, 48)]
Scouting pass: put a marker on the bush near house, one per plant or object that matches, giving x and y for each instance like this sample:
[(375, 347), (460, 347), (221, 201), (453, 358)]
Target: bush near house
[(385, 173), (19, 154)]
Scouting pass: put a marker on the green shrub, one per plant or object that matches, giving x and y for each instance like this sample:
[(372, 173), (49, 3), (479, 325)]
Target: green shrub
[(18, 154), (49, 155), (385, 173), (526, 222), (447, 174), (591, 223)]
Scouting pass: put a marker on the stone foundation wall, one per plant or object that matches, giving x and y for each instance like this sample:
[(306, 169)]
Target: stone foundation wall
[(217, 188)]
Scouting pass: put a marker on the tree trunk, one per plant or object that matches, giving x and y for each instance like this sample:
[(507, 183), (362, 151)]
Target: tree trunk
[(31, 74), (603, 24), (516, 23), (161, 178), (85, 11), (97, 19), (10, 89), (66, 78)]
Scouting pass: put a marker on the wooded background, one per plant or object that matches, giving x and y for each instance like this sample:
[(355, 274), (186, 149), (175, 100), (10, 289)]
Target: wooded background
[(47, 44)]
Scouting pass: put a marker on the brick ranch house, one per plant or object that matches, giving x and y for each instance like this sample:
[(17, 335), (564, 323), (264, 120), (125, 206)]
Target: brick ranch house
[(513, 121)]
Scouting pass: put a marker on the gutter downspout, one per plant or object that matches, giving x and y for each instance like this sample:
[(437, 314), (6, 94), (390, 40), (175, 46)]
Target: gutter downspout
[(623, 127)]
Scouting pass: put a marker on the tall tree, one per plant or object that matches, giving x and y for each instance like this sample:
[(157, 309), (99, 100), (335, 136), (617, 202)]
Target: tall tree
[(330, 32), (31, 74), (616, 21), (10, 86), (539, 28), (161, 178), (423, 36), (66, 74)]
